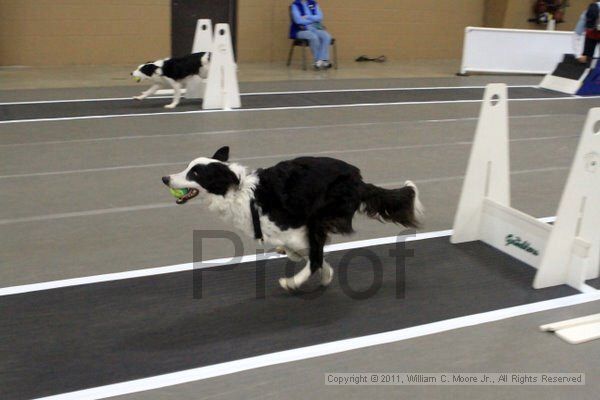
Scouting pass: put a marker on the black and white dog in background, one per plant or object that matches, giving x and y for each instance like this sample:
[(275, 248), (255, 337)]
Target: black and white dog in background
[(297, 203), (173, 72)]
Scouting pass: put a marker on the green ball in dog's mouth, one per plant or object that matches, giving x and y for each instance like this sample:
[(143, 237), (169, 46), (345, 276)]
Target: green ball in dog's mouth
[(178, 193), (183, 195)]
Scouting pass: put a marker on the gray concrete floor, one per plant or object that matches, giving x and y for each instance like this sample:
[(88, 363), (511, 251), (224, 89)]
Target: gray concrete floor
[(88, 193), (512, 345), (82, 198)]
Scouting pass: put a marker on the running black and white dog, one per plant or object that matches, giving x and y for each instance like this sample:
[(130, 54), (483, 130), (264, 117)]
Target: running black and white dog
[(173, 72), (296, 204)]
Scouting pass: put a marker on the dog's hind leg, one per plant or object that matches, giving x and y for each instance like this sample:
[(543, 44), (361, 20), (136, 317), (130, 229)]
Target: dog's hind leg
[(317, 237), (148, 92), (294, 283), (316, 241)]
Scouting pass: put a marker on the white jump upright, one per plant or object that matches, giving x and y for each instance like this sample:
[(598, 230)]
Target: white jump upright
[(567, 253), (572, 254), (203, 39), (222, 88), (488, 172)]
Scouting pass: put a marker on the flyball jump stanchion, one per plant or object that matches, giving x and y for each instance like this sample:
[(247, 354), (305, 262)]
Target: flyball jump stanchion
[(220, 90), (203, 39), (566, 253)]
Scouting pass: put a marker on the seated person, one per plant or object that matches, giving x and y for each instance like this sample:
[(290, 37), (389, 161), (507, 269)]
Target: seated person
[(306, 18)]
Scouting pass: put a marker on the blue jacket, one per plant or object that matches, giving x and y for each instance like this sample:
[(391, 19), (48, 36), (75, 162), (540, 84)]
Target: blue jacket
[(303, 15), (588, 19)]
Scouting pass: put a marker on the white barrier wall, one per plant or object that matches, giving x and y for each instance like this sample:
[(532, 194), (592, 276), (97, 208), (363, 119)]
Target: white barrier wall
[(515, 50)]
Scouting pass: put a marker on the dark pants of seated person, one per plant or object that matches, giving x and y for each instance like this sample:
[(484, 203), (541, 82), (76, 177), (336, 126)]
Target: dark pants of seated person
[(589, 47)]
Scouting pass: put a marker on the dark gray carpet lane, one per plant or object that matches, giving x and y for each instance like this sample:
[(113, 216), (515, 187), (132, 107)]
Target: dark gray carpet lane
[(120, 107), (595, 283), (74, 338)]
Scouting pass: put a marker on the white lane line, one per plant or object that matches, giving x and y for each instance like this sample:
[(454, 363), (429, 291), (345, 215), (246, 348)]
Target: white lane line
[(88, 213), (244, 110), (145, 207), (273, 156), (460, 177), (398, 89), (278, 129), (210, 264), (8, 291), (320, 350)]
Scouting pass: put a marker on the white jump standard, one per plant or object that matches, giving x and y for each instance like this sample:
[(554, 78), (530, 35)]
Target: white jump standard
[(220, 88), (566, 253)]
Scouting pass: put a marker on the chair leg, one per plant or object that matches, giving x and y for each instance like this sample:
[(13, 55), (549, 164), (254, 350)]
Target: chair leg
[(289, 60), (335, 58), (304, 57)]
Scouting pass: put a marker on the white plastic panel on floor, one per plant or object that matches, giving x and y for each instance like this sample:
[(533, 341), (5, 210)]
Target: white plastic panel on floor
[(577, 330), (520, 51)]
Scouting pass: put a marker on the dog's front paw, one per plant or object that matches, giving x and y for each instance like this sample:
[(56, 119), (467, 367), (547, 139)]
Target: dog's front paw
[(138, 97), (171, 106)]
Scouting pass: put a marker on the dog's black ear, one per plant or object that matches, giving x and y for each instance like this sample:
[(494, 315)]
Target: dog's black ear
[(148, 69), (222, 154), (215, 177)]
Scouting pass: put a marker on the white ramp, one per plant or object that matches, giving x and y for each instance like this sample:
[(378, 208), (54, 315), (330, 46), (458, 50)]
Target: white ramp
[(222, 88), (568, 76)]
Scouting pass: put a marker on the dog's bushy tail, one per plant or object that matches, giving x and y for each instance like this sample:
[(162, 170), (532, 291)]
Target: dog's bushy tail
[(401, 206)]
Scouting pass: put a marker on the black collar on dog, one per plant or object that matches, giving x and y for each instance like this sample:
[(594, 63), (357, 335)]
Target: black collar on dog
[(255, 221)]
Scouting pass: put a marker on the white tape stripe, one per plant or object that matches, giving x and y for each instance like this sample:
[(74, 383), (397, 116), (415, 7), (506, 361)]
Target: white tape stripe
[(206, 264), (325, 106), (405, 89), (304, 353), (274, 156), (218, 262), (18, 103), (278, 129), (144, 207)]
